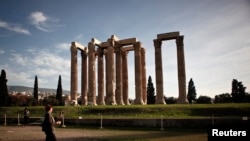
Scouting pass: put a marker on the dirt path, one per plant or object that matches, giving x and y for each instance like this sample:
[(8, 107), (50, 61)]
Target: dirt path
[(34, 133)]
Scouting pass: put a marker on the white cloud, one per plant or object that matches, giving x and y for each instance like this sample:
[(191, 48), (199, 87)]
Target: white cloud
[(39, 20), (44, 63), (43, 22), (78, 37), (18, 78), (14, 27), (2, 51), (19, 59), (63, 46)]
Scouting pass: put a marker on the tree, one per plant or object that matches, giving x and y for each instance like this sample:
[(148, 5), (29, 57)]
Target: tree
[(191, 95), (242, 92), (36, 89), (204, 100), (223, 98), (59, 91), (248, 97), (170, 100), (238, 91), (50, 100), (20, 100), (4, 94), (150, 92)]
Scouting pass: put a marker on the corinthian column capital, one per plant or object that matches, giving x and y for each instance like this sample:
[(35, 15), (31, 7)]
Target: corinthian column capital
[(100, 51), (73, 49), (124, 53), (118, 49), (157, 43), (179, 41)]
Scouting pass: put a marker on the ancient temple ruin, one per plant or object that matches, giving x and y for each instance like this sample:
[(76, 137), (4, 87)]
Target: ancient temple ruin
[(180, 62), (115, 51)]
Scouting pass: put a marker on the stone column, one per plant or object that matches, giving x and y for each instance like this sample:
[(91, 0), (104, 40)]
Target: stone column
[(144, 79), (107, 76), (118, 60), (92, 74), (110, 77), (158, 73), (74, 81), (125, 77), (84, 88), (181, 70), (100, 100), (138, 74)]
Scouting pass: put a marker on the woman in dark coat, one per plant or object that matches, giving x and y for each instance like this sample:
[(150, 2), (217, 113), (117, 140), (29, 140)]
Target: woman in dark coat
[(48, 125), (25, 116)]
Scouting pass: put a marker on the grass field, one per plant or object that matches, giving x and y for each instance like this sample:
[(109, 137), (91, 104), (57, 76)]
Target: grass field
[(140, 111), (72, 133)]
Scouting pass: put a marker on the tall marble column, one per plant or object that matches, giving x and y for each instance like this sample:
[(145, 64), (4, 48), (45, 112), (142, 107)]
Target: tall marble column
[(181, 70), (100, 100), (106, 76), (118, 60), (125, 77), (110, 77), (138, 73), (74, 80), (144, 79), (84, 88), (92, 74), (158, 73)]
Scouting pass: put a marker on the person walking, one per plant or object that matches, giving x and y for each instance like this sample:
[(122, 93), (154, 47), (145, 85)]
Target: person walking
[(26, 113), (48, 125)]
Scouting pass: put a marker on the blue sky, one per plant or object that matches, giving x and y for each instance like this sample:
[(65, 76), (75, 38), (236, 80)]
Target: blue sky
[(35, 39)]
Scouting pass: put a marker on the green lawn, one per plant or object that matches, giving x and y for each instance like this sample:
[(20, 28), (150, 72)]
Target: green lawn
[(132, 112), (140, 111)]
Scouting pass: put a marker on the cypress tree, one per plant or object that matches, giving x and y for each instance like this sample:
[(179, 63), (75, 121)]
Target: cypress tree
[(36, 89), (191, 95), (4, 94), (235, 90), (150, 92), (59, 91)]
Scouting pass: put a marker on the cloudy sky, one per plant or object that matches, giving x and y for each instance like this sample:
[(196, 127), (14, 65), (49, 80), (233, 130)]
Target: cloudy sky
[(35, 39)]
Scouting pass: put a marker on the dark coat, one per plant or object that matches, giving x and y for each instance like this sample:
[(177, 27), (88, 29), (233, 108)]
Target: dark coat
[(48, 124)]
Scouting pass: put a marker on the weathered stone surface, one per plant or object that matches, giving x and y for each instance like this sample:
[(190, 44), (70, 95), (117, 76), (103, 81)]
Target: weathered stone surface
[(105, 45), (78, 45), (181, 70), (128, 48), (100, 100), (95, 41), (110, 77), (138, 75), (118, 91), (168, 36), (125, 77), (129, 41), (84, 88), (180, 63), (158, 73), (74, 80), (114, 37), (143, 73), (92, 74)]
